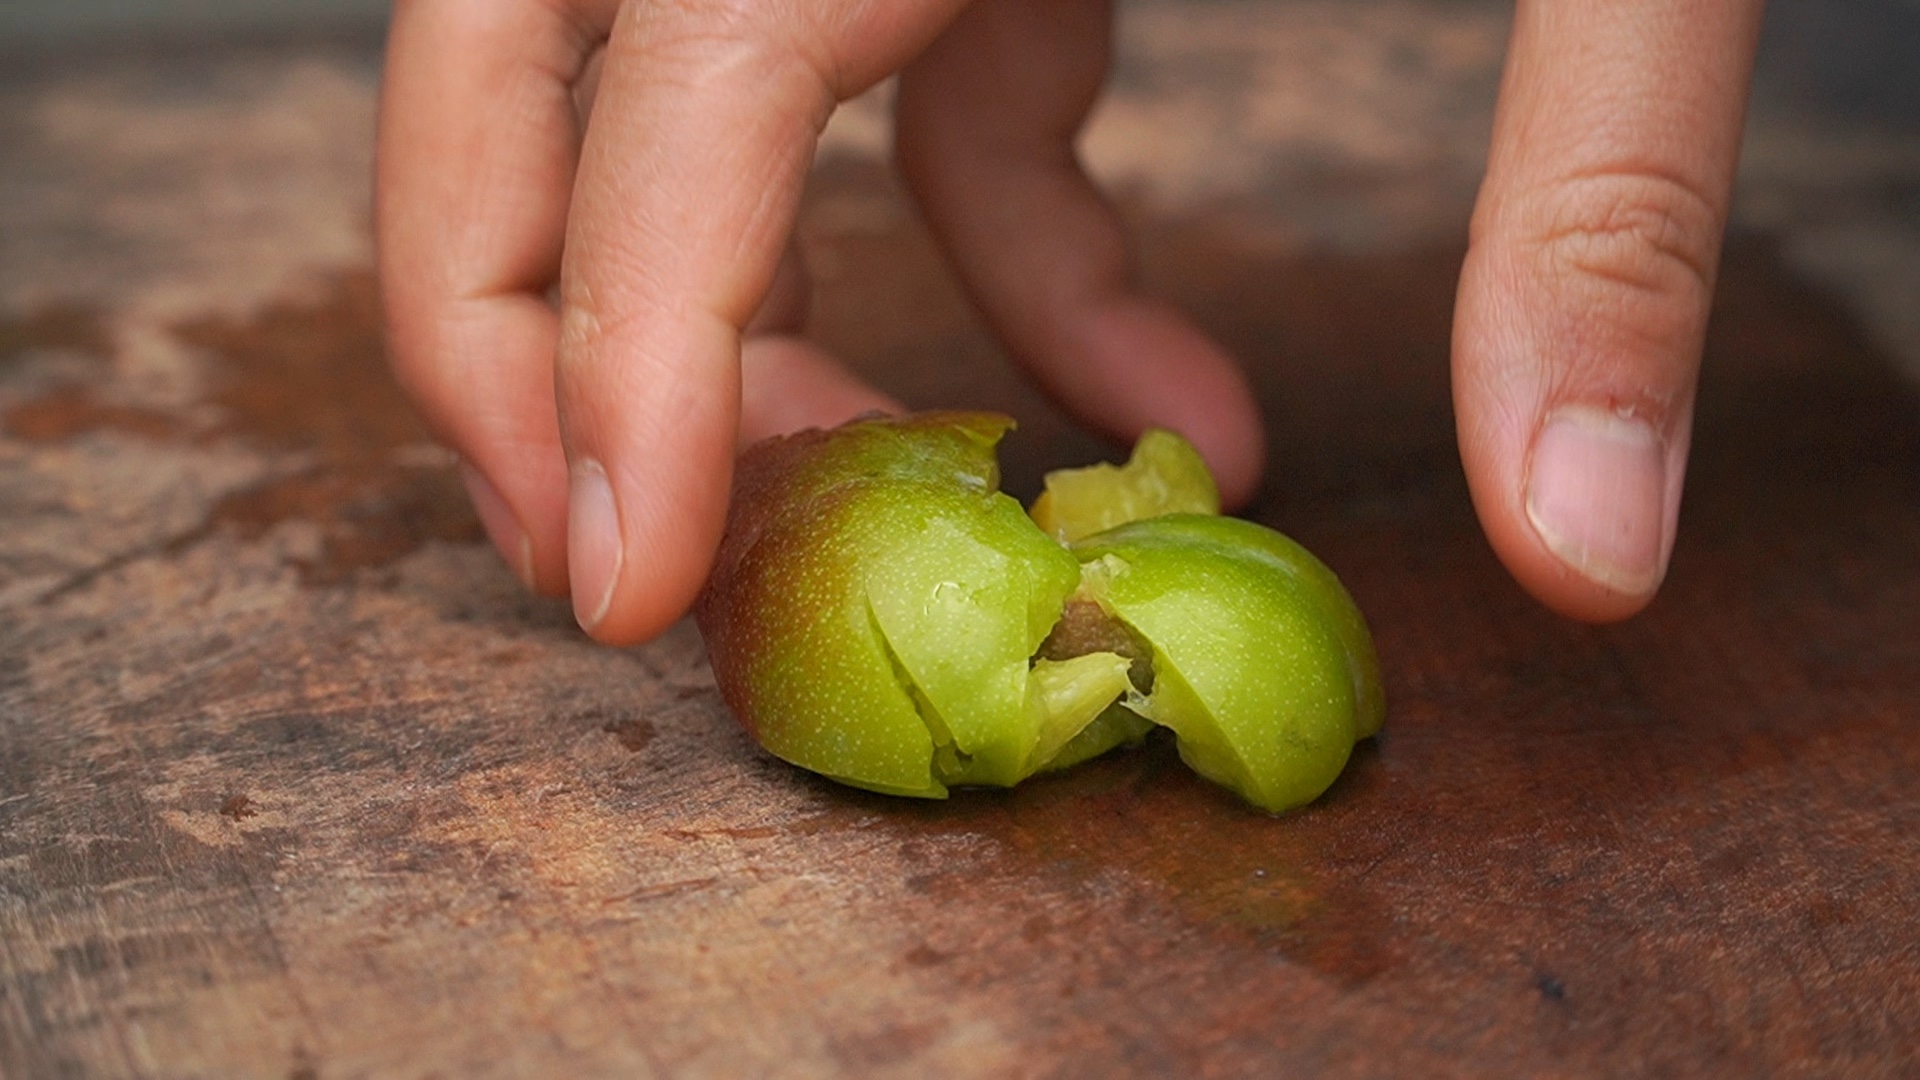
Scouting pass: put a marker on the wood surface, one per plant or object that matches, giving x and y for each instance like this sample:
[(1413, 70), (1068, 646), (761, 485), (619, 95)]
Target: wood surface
[(296, 782)]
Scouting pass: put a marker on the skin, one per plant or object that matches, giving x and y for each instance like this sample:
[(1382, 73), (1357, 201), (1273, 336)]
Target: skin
[(642, 162)]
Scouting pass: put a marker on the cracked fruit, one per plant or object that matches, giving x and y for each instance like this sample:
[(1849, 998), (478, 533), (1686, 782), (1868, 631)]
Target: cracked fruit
[(881, 614)]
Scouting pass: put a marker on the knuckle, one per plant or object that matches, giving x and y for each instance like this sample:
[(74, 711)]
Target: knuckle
[(707, 28), (580, 331), (698, 20), (1645, 232), (722, 48)]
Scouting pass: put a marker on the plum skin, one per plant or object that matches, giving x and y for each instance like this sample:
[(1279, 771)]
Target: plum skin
[(877, 605), (834, 535)]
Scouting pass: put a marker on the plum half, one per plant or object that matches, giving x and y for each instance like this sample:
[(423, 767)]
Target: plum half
[(882, 614)]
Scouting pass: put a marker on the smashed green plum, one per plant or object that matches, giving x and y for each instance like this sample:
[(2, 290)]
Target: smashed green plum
[(881, 614)]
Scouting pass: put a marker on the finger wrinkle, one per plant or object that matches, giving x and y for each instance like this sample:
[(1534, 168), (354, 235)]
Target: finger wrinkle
[(634, 354), (500, 225), (586, 24), (1647, 230)]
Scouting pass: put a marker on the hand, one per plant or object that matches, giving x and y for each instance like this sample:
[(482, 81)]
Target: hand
[(649, 157), (1577, 338), (1583, 302)]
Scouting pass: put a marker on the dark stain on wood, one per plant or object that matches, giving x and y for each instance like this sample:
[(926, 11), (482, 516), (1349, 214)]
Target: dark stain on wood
[(64, 328), (369, 515), (71, 411), (892, 1044), (633, 733), (68, 410), (307, 377), (310, 375), (302, 375), (1550, 987)]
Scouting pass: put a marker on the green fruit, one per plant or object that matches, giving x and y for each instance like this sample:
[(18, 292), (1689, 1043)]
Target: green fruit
[(881, 614), (1261, 665), (1164, 475)]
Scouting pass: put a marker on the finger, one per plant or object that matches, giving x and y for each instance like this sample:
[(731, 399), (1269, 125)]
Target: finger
[(1583, 301), (702, 132), (476, 148), (987, 119), (788, 383)]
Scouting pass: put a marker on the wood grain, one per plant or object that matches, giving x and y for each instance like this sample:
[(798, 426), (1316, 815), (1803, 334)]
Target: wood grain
[(294, 781)]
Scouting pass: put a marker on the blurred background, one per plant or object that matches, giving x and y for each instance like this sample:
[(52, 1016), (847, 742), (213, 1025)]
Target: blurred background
[(1362, 123), (44, 22)]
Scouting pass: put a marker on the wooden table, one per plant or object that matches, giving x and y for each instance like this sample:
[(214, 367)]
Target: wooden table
[(295, 781)]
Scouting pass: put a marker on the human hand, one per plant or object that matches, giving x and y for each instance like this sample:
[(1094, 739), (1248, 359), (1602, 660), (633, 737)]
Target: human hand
[(648, 158), (1577, 338), (1583, 301)]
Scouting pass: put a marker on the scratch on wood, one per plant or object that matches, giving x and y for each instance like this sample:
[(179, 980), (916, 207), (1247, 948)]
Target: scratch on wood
[(750, 832), (129, 883), (662, 890)]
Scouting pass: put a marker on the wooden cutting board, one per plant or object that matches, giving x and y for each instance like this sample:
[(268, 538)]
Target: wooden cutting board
[(294, 780)]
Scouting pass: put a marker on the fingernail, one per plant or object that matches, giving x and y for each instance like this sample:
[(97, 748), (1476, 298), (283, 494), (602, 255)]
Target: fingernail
[(594, 551), (1597, 495), (503, 528)]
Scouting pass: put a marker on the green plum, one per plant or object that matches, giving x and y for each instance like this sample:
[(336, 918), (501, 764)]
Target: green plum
[(881, 614)]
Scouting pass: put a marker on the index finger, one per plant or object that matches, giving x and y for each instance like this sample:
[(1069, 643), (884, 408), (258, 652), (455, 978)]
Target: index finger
[(690, 175)]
